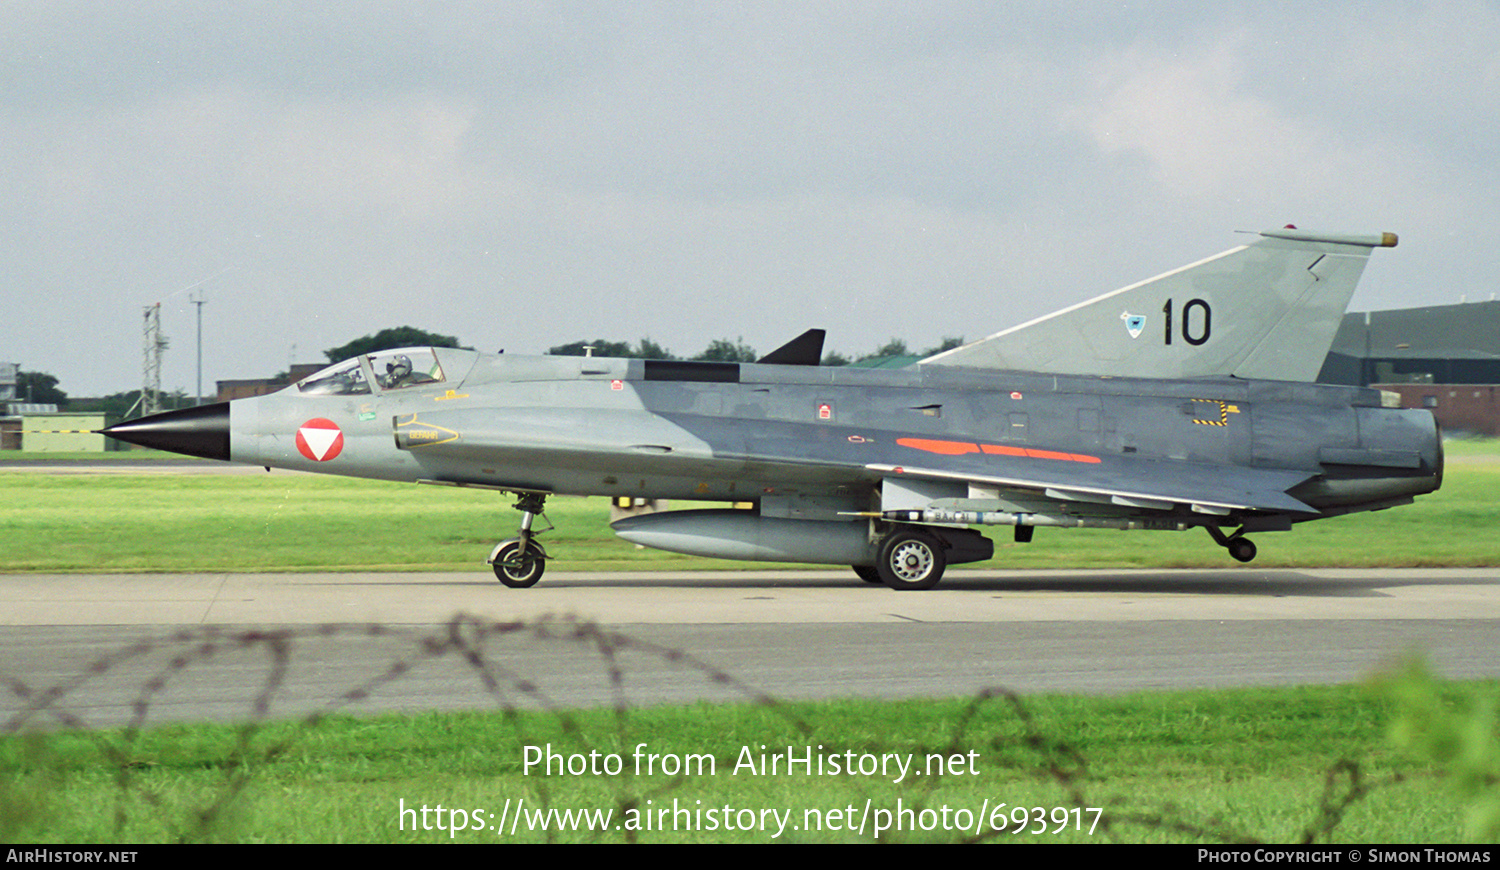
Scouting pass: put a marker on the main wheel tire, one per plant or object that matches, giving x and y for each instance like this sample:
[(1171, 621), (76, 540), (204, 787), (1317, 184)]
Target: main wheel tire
[(517, 570), (867, 573), (1242, 549), (911, 560)]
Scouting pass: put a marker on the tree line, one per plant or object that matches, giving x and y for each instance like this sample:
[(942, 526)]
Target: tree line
[(718, 350), (42, 387), (736, 350)]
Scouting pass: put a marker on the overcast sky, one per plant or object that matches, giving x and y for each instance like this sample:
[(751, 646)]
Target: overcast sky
[(522, 175)]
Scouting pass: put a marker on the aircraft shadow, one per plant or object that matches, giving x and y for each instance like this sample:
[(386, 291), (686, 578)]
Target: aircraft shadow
[(1232, 581)]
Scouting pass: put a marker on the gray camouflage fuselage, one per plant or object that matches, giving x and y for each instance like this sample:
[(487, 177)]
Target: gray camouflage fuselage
[(829, 436), (1173, 403)]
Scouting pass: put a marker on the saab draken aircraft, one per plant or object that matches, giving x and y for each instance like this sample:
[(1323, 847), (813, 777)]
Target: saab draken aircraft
[(1185, 401)]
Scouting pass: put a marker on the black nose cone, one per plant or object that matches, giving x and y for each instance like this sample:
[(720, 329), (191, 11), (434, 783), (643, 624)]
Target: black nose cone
[(201, 431)]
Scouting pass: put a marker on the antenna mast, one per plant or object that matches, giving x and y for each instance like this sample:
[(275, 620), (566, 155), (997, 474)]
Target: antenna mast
[(199, 302), (152, 344)]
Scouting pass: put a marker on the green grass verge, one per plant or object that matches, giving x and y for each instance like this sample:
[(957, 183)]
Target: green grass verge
[(188, 522), (1272, 765), (1467, 447), (93, 456)]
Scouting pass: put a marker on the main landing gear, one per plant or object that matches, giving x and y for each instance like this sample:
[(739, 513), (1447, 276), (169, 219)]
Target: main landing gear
[(913, 557), (1241, 548), (520, 561), (908, 559)]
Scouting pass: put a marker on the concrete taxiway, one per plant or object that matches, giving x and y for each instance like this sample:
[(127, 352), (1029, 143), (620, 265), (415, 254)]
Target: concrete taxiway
[(174, 646), (723, 597)]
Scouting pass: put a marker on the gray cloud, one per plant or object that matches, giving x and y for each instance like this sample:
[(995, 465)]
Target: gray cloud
[(525, 175)]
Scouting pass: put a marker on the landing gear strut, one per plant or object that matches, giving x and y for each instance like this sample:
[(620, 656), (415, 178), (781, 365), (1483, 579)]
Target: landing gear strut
[(1241, 548), (520, 561)]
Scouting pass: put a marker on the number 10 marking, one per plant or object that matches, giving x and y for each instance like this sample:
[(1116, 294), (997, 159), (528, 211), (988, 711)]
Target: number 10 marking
[(1203, 330)]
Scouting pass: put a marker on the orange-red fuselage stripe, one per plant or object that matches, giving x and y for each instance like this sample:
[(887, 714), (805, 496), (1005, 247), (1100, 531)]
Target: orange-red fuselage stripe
[(959, 448)]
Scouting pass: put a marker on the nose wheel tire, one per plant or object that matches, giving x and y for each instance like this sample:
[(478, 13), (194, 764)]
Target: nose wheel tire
[(911, 560), (519, 570)]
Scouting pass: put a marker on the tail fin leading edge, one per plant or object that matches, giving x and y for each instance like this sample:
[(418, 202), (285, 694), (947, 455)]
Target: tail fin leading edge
[(1268, 310)]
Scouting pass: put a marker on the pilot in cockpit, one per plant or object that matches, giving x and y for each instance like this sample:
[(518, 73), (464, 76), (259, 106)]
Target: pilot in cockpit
[(397, 372)]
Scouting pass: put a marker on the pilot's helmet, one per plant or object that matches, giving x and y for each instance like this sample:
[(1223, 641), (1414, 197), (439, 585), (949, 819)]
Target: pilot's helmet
[(401, 367)]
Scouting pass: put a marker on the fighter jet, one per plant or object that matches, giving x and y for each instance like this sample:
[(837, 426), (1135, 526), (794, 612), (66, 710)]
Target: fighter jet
[(1185, 401)]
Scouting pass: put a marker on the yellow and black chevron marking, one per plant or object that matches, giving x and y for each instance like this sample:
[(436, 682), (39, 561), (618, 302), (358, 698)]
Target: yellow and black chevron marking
[(1225, 409)]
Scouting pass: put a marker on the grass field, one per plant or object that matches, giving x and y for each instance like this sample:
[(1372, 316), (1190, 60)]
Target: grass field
[(1417, 763), (164, 522), (1275, 765)]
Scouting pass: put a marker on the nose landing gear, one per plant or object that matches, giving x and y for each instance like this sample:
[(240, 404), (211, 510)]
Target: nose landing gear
[(520, 561)]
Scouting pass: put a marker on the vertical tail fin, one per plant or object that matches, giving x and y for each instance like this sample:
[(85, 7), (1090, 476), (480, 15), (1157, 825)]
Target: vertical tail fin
[(1267, 310)]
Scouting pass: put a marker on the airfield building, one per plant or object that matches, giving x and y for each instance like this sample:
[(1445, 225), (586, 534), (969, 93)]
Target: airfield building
[(1445, 358)]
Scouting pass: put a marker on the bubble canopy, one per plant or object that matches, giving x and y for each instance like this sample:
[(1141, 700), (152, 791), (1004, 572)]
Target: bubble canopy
[(385, 370)]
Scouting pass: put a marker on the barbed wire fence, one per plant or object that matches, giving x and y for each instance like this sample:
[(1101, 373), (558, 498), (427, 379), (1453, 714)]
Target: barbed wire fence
[(476, 648)]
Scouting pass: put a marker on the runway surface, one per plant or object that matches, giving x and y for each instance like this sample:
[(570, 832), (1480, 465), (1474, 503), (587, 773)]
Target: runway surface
[(111, 648)]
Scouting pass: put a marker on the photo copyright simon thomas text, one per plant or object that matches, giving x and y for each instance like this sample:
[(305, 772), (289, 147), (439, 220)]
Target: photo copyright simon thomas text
[(516, 816), (1364, 855)]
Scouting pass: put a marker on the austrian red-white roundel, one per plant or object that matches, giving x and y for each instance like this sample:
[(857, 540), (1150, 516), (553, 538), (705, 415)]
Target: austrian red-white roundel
[(320, 440)]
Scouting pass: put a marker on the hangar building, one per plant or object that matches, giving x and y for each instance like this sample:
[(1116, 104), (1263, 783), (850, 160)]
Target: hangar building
[(1445, 358)]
